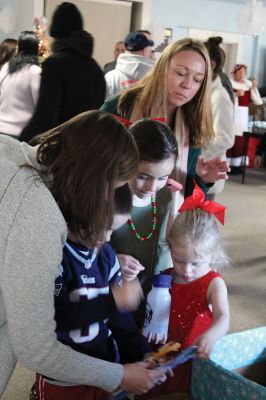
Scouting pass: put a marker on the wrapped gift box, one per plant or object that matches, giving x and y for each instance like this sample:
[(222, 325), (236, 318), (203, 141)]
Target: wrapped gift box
[(236, 369)]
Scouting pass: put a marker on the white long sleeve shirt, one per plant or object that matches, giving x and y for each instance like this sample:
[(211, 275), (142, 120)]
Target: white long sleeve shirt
[(223, 125), (18, 97)]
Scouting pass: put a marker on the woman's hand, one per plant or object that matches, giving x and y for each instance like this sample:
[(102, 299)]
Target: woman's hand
[(128, 296), (212, 170), (139, 378), (239, 93), (254, 83), (130, 266)]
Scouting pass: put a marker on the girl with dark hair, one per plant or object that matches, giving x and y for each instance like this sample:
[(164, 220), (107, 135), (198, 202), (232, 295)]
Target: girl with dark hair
[(65, 183), (19, 85), (141, 244), (7, 49)]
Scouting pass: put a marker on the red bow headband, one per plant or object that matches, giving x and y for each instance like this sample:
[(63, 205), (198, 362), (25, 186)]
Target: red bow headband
[(197, 200), (127, 123)]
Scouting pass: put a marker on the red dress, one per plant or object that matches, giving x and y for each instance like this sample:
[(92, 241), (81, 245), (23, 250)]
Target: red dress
[(190, 317)]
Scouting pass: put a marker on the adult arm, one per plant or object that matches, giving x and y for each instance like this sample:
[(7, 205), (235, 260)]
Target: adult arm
[(33, 255), (223, 125), (47, 109), (8, 359), (192, 176), (254, 93)]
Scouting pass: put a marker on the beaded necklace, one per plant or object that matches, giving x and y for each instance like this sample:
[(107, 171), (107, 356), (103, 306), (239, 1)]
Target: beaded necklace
[(154, 223)]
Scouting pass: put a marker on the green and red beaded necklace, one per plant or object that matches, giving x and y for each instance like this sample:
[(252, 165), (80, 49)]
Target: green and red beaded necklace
[(154, 223)]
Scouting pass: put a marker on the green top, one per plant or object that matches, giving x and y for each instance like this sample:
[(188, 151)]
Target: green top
[(154, 253)]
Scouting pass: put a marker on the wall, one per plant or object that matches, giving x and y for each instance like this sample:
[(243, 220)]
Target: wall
[(107, 20), (180, 15), (215, 16)]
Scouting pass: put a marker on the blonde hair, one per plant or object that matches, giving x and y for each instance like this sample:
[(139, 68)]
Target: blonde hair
[(199, 228), (151, 94)]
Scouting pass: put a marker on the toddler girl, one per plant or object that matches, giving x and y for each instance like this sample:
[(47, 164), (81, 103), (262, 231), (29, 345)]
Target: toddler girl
[(199, 311)]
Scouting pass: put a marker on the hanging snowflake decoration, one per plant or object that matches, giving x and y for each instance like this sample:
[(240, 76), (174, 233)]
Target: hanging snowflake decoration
[(252, 18)]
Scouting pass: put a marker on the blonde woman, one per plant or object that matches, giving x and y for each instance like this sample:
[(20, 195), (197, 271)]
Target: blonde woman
[(178, 89)]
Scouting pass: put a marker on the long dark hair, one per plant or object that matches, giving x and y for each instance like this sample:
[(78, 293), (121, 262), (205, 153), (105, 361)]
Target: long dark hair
[(7, 49), (84, 160), (28, 50), (155, 140)]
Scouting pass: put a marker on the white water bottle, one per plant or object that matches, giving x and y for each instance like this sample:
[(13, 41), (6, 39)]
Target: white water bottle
[(158, 309)]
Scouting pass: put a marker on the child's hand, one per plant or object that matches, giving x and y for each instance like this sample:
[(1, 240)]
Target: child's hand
[(130, 266), (128, 296), (205, 344)]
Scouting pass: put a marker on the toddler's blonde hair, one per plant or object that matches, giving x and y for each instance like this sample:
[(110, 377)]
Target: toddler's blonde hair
[(199, 228)]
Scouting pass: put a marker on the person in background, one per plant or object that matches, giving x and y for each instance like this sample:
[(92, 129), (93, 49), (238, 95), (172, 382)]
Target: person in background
[(199, 312), (19, 85), (246, 90), (247, 103), (118, 49), (224, 78), (8, 48), (131, 66), (90, 303), (141, 244), (66, 182), (147, 33), (222, 113), (72, 82), (260, 152)]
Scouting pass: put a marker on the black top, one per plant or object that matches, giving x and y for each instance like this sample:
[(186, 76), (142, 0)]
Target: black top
[(72, 82)]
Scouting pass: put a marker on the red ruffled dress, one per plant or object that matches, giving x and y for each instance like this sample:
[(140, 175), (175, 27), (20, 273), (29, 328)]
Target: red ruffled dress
[(190, 317)]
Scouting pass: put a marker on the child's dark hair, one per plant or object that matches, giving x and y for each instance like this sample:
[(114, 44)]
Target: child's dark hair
[(216, 53), (83, 160), (28, 50), (123, 200), (155, 140)]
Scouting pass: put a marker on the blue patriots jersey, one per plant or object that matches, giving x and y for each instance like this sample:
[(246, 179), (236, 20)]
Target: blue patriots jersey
[(84, 302)]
